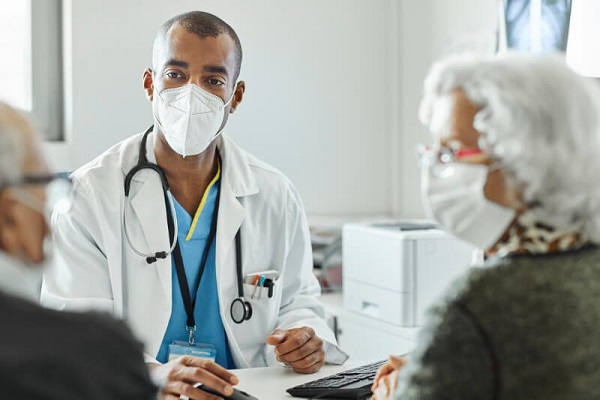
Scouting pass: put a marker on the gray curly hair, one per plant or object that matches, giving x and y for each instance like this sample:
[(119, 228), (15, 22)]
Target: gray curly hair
[(541, 121)]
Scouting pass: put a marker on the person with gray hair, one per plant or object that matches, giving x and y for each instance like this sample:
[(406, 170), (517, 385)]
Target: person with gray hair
[(513, 170), (49, 354)]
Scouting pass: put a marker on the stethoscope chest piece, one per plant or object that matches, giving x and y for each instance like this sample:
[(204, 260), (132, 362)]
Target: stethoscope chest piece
[(241, 310)]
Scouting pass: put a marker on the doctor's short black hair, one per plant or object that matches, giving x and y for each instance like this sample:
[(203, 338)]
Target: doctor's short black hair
[(203, 25)]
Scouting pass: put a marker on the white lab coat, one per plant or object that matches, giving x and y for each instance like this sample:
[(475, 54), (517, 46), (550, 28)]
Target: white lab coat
[(95, 268)]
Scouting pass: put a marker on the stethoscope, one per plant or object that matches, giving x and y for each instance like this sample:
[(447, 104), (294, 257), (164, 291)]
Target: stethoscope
[(240, 309)]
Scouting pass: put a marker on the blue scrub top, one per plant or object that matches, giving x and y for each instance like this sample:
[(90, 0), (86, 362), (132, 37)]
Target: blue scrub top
[(193, 234)]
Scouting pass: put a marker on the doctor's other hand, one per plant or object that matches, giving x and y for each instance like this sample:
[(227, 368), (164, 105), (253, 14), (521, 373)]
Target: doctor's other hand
[(386, 378), (178, 376), (300, 348)]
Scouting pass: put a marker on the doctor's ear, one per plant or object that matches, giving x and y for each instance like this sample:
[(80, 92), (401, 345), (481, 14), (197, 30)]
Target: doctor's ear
[(148, 82), (238, 95)]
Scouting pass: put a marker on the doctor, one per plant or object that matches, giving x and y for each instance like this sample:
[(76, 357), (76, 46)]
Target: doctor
[(202, 248)]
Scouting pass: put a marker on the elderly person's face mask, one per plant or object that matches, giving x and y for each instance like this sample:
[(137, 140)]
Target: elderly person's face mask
[(463, 189), (453, 195)]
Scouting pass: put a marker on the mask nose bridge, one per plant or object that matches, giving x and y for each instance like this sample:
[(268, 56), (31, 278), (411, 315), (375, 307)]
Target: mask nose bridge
[(211, 102), (225, 102)]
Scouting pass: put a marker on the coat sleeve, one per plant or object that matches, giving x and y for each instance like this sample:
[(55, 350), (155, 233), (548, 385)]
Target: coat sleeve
[(79, 277), (453, 359), (300, 305)]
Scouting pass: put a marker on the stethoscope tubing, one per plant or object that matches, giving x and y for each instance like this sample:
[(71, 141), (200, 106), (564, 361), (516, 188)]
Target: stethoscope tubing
[(245, 307), (148, 257)]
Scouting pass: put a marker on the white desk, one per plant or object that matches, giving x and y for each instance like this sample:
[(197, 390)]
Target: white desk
[(270, 383)]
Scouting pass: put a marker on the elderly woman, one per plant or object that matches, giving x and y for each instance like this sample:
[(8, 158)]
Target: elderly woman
[(514, 170)]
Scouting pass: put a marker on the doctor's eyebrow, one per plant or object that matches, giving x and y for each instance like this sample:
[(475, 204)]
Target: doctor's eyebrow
[(177, 63), (216, 69)]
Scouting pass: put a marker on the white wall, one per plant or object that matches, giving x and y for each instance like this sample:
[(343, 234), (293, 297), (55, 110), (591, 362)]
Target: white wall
[(429, 30), (332, 87)]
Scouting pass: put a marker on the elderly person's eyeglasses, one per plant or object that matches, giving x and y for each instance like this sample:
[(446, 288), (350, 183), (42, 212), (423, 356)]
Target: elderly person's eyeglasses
[(58, 190), (440, 159)]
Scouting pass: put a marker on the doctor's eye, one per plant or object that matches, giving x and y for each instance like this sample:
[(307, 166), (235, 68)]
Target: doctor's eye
[(215, 81), (174, 75)]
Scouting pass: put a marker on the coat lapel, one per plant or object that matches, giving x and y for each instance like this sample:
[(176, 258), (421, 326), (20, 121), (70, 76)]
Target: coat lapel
[(231, 215), (147, 218), (238, 182), (231, 211)]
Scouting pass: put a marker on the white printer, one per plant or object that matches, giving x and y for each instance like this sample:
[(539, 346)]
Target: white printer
[(392, 273)]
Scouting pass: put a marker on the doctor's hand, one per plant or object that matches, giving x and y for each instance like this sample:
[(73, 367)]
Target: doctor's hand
[(300, 348), (386, 379), (178, 376)]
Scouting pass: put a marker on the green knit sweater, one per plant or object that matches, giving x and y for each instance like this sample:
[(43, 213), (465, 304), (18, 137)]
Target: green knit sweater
[(523, 327)]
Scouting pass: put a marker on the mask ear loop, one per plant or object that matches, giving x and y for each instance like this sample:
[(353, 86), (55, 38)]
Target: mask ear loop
[(516, 202), (495, 166), (28, 200), (230, 97), (224, 106), (35, 204)]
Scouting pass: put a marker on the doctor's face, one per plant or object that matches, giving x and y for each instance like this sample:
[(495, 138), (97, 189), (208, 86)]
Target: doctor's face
[(185, 58)]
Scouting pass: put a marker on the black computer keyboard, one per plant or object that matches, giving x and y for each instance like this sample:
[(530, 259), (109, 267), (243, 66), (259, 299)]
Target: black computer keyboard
[(350, 384)]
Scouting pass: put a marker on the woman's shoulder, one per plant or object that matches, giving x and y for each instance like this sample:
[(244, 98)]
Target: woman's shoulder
[(529, 279)]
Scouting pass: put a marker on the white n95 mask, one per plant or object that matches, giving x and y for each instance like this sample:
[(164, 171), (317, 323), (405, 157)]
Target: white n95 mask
[(453, 196), (189, 117)]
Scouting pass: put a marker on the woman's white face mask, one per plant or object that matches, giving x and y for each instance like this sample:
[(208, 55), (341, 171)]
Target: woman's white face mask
[(189, 117), (453, 195)]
